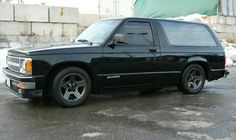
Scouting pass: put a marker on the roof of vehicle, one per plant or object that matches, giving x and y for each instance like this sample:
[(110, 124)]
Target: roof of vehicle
[(157, 19)]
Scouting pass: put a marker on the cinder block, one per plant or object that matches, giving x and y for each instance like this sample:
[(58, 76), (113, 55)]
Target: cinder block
[(6, 11), (224, 5), (69, 30), (64, 15), (47, 29), (230, 7), (230, 29), (15, 28), (230, 20), (35, 13), (80, 29), (219, 28), (211, 19), (221, 19), (88, 19)]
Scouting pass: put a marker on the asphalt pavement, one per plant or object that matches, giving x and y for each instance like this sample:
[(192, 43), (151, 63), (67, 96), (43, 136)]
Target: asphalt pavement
[(158, 115)]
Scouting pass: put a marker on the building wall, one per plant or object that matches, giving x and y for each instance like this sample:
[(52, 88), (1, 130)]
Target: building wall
[(28, 25), (225, 23)]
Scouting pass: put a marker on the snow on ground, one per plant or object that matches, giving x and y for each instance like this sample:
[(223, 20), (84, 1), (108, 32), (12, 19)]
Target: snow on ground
[(3, 54), (230, 53), (91, 135)]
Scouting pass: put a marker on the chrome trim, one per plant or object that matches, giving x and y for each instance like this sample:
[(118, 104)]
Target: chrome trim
[(18, 76), (217, 70), (13, 65), (140, 73)]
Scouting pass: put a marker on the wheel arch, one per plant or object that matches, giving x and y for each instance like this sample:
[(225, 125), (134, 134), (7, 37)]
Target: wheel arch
[(203, 62), (60, 66)]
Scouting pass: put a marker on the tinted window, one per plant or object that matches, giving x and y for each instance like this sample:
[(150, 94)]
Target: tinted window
[(137, 33), (187, 34)]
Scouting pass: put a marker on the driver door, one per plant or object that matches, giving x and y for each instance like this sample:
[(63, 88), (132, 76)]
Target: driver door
[(135, 61)]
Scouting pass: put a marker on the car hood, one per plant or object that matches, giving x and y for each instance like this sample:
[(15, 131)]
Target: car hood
[(70, 48)]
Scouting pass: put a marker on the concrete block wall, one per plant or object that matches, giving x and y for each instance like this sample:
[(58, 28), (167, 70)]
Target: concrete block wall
[(224, 26), (28, 25), (33, 13), (6, 12), (64, 15)]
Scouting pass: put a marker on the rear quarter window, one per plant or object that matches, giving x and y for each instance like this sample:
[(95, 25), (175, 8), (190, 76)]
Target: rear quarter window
[(187, 34)]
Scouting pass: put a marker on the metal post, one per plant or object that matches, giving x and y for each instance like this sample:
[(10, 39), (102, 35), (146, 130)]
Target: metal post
[(220, 8), (99, 8), (116, 8)]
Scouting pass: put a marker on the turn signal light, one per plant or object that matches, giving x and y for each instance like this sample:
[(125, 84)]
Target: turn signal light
[(28, 66)]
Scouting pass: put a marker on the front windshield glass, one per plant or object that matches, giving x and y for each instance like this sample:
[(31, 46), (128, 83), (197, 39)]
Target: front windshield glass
[(98, 32)]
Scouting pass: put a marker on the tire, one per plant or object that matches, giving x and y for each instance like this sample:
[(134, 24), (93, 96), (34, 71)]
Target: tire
[(71, 87), (192, 80)]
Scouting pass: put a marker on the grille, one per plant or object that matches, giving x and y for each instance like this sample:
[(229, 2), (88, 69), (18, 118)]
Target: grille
[(13, 63)]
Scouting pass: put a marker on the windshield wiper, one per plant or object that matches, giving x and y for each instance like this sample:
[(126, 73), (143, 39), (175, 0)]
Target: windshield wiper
[(85, 41)]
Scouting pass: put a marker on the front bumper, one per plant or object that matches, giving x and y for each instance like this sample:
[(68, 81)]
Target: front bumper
[(23, 85)]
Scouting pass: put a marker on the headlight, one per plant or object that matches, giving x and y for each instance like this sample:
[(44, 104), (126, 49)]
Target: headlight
[(25, 66)]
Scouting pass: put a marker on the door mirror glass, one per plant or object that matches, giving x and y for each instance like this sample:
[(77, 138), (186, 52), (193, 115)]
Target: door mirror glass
[(119, 38)]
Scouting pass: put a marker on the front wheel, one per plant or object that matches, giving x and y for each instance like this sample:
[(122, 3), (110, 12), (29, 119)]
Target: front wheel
[(192, 80), (71, 87)]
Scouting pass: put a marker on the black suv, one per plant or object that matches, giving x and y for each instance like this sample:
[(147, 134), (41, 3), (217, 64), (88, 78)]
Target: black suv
[(119, 53)]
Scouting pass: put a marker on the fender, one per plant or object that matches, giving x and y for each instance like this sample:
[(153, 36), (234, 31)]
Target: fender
[(197, 59)]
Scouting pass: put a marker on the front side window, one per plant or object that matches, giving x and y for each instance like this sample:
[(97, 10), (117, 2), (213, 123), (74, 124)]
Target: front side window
[(187, 34), (137, 33)]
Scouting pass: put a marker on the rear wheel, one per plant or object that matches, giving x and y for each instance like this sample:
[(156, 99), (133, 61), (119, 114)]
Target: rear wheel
[(193, 79), (71, 87)]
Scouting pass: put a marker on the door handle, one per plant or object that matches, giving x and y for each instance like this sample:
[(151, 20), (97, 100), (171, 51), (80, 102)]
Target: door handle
[(153, 49)]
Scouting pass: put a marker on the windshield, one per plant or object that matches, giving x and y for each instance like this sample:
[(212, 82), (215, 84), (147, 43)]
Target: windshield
[(98, 32)]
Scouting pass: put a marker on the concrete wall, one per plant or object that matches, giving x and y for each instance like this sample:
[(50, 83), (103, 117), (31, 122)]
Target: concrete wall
[(225, 23), (224, 26), (28, 25)]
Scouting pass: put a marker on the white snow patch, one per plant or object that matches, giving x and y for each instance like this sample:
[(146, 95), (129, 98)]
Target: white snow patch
[(184, 111), (192, 18), (93, 134), (230, 53), (111, 112), (185, 125), (3, 54), (14, 45), (229, 62), (234, 116), (200, 136)]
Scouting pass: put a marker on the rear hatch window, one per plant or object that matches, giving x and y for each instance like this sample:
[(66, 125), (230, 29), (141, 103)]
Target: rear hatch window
[(187, 34)]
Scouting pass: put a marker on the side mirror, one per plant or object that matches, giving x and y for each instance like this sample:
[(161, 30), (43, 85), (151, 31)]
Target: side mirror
[(118, 38)]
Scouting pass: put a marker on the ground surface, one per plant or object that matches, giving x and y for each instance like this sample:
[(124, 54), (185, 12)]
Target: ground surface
[(166, 114)]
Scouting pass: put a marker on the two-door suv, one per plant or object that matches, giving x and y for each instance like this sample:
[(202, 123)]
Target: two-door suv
[(118, 53)]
